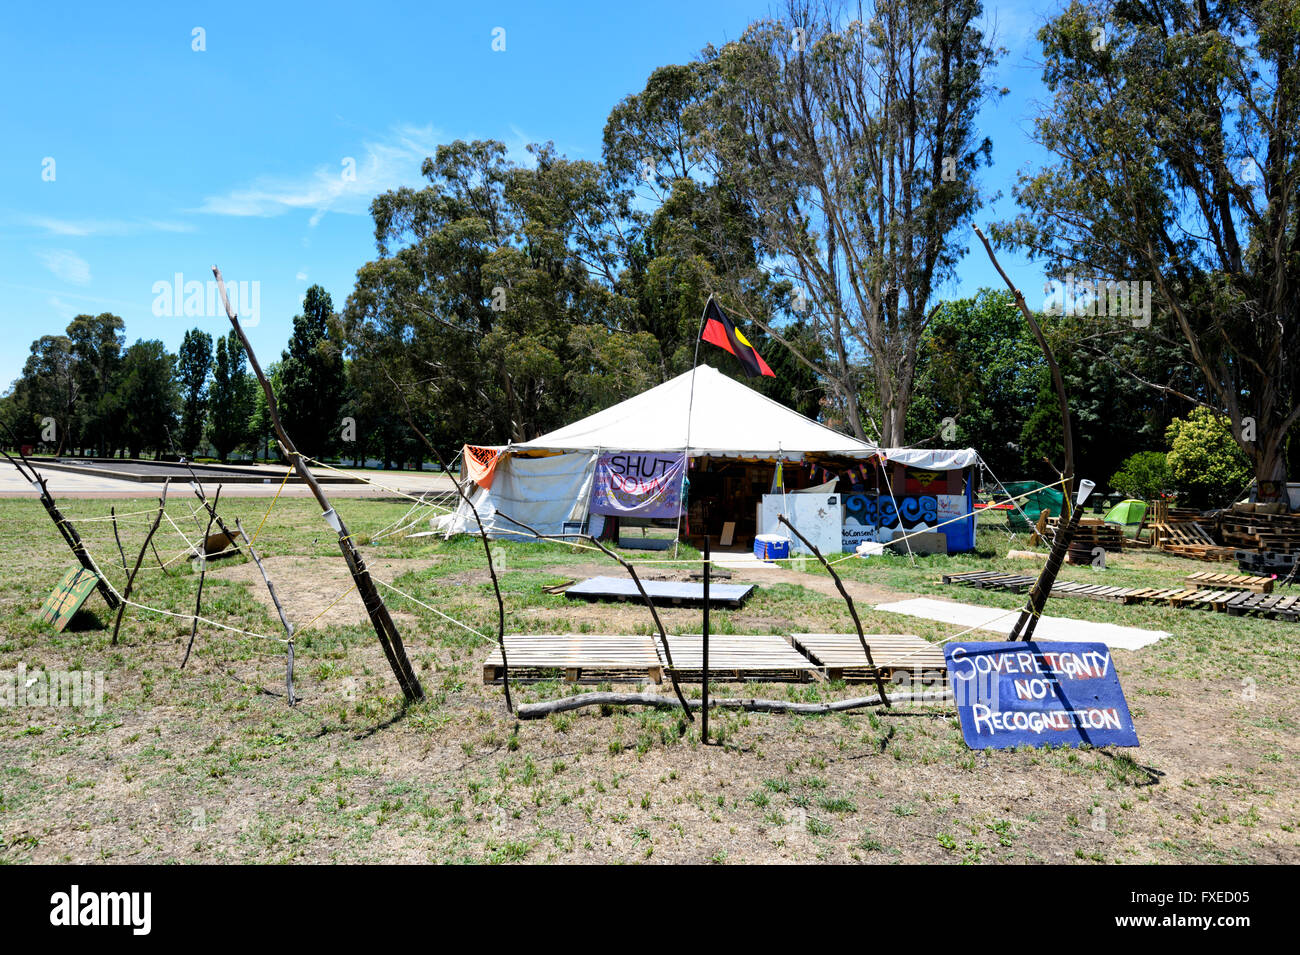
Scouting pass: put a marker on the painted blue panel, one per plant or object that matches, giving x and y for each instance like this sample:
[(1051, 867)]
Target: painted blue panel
[(1038, 694)]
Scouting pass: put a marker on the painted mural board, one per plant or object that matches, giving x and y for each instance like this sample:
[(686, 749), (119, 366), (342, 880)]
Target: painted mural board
[(66, 599)]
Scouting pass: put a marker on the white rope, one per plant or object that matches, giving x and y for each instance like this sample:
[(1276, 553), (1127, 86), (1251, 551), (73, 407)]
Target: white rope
[(182, 616), (434, 609)]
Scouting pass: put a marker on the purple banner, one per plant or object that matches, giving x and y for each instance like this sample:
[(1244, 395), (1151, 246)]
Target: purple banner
[(637, 484)]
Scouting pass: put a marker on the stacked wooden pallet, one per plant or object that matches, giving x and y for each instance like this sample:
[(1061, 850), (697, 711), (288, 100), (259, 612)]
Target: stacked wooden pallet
[(1092, 532), (1264, 536), (1180, 532)]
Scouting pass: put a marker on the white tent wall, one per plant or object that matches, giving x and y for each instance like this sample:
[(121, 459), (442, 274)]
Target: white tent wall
[(545, 493)]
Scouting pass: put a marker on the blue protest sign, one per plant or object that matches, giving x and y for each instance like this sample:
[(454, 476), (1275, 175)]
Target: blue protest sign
[(1038, 694)]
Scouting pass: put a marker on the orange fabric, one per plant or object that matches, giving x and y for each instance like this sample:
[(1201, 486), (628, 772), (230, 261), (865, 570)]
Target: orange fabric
[(481, 464)]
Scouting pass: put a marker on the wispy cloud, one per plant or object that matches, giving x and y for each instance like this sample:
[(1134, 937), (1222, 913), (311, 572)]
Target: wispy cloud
[(346, 186), (105, 227), (67, 266)]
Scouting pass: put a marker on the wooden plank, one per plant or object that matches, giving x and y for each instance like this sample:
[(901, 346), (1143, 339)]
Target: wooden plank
[(739, 657)]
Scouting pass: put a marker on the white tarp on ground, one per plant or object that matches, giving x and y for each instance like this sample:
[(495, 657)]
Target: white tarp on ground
[(932, 459), (545, 493), (727, 420), (1003, 621)]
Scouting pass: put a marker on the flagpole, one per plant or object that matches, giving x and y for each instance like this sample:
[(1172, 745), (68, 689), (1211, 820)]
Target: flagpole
[(690, 407)]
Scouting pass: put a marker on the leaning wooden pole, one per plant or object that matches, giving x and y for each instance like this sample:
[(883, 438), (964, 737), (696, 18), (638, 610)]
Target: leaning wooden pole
[(65, 527), (139, 558), (487, 549), (1058, 382), (853, 610), (1028, 619), (284, 620), (1042, 589), (390, 640), (197, 487)]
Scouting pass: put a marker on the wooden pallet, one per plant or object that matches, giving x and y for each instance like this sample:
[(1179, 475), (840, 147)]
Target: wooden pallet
[(1214, 598), (580, 657), (992, 580), (1205, 578), (1275, 606), (841, 657), (1018, 583), (1207, 552), (1091, 533), (1068, 588), (735, 658)]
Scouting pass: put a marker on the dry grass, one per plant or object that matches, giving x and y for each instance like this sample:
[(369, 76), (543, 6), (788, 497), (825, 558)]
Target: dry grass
[(209, 764)]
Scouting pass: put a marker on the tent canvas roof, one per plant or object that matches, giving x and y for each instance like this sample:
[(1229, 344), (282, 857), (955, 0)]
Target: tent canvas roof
[(727, 420)]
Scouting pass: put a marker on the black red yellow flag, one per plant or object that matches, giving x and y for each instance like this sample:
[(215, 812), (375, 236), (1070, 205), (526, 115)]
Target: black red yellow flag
[(719, 330)]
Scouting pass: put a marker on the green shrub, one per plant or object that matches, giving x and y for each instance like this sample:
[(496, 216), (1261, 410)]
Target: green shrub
[(1144, 476), (1206, 467)]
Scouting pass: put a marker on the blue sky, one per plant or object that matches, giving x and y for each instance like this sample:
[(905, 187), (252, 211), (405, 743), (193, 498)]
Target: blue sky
[(167, 160)]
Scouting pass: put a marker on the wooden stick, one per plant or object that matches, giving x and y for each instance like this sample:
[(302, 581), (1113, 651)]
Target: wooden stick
[(120, 553), (1057, 381), (390, 640), (487, 549), (1042, 589), (197, 487), (65, 527), (288, 675), (198, 598), (1028, 619), (158, 557), (537, 711), (130, 581), (663, 636), (284, 620), (853, 610)]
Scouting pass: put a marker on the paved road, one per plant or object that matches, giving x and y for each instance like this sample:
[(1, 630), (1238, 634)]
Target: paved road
[(67, 484)]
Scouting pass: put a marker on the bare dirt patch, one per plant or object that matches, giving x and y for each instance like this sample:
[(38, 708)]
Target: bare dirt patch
[(307, 585)]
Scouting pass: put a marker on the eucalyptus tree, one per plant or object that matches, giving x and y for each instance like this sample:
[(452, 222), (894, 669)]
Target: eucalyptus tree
[(855, 145), (1174, 134)]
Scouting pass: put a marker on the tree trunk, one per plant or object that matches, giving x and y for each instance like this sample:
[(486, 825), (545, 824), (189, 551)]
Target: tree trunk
[(1270, 470)]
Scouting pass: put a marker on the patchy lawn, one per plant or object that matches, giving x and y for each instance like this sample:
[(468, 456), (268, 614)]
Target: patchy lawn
[(208, 764)]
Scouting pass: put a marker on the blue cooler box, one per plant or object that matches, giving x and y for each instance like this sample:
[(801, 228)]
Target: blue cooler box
[(771, 547)]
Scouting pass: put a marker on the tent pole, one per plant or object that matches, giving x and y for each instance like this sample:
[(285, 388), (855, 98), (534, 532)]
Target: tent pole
[(889, 486), (690, 408)]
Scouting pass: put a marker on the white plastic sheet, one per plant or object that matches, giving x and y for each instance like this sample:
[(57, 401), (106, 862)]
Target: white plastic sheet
[(551, 494)]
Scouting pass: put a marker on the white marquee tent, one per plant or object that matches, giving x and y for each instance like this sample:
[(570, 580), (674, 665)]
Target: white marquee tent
[(727, 419), (547, 482)]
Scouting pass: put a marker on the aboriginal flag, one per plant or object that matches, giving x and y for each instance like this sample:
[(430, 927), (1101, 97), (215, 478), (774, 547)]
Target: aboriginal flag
[(719, 330)]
